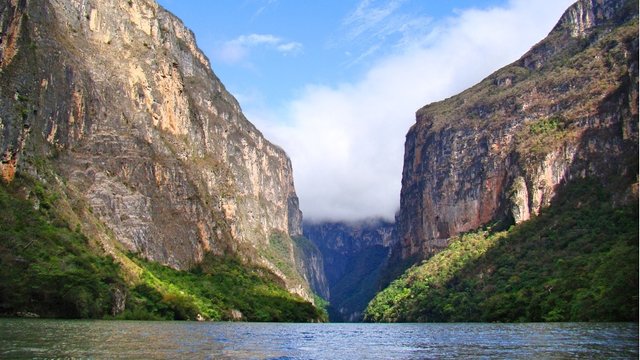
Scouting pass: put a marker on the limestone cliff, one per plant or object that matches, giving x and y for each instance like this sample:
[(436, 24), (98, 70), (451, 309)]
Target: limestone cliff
[(499, 151), (111, 103), (354, 254)]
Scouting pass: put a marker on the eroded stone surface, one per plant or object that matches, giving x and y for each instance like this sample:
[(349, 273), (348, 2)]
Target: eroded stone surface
[(122, 104), (500, 150)]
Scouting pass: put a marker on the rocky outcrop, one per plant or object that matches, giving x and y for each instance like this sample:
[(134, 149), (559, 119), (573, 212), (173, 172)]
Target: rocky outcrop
[(354, 255), (501, 150), (310, 262), (114, 101)]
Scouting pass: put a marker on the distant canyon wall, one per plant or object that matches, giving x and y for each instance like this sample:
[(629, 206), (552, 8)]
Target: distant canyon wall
[(354, 255)]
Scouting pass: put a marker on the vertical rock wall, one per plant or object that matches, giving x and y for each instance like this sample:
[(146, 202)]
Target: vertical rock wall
[(115, 98), (500, 151)]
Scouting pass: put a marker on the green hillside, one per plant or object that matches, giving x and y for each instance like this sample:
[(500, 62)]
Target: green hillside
[(576, 261), (52, 270)]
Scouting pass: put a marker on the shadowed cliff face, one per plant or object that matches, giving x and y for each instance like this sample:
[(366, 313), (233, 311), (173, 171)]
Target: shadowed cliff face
[(354, 254), (112, 103), (499, 151)]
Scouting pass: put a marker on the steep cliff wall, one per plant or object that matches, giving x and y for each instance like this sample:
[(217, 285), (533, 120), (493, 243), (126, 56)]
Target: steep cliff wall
[(112, 103), (354, 254), (499, 151)]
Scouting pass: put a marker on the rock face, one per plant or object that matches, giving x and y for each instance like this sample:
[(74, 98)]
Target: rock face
[(311, 266), (115, 101), (499, 151), (354, 254)]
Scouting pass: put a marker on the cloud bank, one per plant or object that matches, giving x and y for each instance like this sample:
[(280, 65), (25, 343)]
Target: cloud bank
[(346, 141)]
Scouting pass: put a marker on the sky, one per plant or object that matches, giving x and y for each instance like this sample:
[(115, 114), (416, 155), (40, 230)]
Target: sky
[(336, 83)]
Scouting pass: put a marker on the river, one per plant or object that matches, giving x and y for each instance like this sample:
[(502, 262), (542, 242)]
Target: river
[(27, 338)]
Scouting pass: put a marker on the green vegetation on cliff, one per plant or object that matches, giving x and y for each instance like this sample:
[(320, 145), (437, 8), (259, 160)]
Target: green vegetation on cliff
[(48, 269), (217, 289), (576, 261)]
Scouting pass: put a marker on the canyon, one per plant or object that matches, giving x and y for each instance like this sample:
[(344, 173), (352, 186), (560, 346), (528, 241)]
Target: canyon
[(114, 127)]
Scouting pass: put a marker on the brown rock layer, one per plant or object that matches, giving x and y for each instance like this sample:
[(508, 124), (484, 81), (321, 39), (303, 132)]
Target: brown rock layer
[(499, 151)]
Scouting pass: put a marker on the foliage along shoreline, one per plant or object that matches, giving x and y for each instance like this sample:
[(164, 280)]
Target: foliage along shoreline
[(53, 271), (576, 261)]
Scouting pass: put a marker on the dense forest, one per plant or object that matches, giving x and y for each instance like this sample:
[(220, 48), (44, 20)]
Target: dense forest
[(576, 261)]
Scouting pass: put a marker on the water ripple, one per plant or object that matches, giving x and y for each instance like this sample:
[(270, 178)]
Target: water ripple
[(40, 339)]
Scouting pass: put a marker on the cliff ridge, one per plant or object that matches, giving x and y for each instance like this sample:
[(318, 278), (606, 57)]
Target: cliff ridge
[(112, 104), (501, 150)]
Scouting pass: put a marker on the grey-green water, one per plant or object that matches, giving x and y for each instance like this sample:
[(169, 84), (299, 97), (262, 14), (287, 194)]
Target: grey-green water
[(22, 338)]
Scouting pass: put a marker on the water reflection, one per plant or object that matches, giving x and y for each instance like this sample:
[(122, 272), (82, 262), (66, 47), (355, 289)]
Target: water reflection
[(22, 338)]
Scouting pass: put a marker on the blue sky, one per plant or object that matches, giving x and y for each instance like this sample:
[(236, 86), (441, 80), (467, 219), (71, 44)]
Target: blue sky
[(266, 51), (337, 83)]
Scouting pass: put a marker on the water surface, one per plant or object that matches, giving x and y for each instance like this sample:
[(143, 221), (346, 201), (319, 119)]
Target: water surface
[(26, 338)]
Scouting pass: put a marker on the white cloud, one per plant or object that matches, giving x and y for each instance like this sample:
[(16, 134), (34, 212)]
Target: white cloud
[(289, 47), (346, 141), (238, 49)]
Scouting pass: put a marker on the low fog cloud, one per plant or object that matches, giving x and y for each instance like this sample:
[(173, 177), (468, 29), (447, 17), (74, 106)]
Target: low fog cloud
[(346, 141)]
